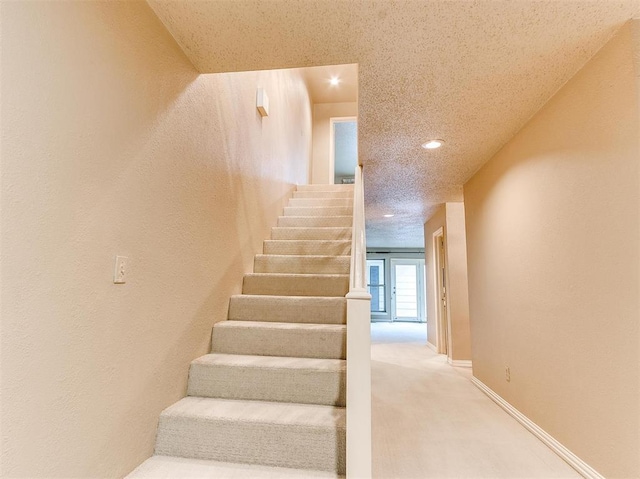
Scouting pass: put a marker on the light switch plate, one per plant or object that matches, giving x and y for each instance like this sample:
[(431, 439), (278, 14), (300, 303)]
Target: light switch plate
[(120, 273)]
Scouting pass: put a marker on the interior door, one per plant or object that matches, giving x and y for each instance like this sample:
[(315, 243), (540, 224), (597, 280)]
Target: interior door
[(407, 290)]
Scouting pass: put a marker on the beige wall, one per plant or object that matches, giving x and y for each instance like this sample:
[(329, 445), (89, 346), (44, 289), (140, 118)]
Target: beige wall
[(457, 282), (113, 144), (437, 221), (553, 229), (450, 217), (322, 114)]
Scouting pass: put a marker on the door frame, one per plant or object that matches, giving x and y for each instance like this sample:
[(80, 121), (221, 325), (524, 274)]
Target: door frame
[(443, 323), (384, 315), (332, 155), (421, 300)]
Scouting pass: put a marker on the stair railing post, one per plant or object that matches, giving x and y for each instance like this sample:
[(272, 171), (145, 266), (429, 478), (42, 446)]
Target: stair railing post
[(358, 346)]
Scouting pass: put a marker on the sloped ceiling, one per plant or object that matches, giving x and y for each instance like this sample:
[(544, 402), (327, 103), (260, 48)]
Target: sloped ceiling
[(470, 72)]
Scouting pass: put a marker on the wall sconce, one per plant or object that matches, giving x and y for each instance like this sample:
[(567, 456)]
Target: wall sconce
[(262, 102)]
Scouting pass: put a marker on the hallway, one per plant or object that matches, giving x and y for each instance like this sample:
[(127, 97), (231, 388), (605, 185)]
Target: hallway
[(429, 420)]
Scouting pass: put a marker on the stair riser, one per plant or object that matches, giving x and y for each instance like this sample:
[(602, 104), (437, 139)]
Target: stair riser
[(318, 211), (288, 310), (346, 202), (296, 343), (348, 188), (311, 234), (323, 194), (307, 247), (268, 384), (247, 442), (315, 221), (302, 264), (296, 286)]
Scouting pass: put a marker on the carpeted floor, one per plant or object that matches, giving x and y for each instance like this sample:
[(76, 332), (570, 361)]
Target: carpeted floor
[(430, 421)]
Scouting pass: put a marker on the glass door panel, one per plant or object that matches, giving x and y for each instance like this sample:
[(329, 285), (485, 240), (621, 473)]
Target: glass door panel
[(376, 285), (407, 290)]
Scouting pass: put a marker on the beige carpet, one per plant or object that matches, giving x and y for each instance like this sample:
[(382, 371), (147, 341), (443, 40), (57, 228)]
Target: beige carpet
[(429, 421)]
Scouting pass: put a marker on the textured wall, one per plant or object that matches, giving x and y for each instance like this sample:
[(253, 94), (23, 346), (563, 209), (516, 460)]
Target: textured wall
[(322, 114), (553, 229), (450, 217), (113, 144)]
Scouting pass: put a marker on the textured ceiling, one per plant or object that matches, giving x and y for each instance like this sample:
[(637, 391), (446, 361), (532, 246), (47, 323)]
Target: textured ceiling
[(470, 72)]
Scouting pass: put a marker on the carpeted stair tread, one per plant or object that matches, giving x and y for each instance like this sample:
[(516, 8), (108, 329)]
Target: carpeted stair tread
[(323, 194), (310, 247), (300, 309), (167, 467), (325, 188), (318, 210), (303, 436), (319, 233), (315, 221), (289, 284), (268, 402), (348, 202), (301, 264), (266, 338), (262, 412), (269, 378)]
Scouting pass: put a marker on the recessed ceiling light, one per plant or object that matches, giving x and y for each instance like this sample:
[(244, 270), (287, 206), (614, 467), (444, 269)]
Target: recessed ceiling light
[(388, 216), (334, 81), (432, 144)]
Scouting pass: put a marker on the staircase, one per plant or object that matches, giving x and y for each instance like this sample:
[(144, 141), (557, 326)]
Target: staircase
[(269, 401)]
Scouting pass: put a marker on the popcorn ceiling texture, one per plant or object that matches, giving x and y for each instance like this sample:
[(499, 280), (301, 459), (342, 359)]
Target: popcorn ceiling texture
[(471, 72)]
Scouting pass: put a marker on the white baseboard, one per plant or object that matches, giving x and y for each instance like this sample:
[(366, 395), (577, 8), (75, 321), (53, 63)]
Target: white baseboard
[(432, 347), (574, 461), (460, 363)]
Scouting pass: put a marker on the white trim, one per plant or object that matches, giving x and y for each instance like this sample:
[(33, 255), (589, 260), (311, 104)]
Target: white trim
[(574, 461), (460, 363), (358, 345), (432, 347)]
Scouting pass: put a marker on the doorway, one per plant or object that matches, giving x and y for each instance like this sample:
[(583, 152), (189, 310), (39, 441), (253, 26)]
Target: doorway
[(407, 287), (343, 157), (396, 282), (440, 294)]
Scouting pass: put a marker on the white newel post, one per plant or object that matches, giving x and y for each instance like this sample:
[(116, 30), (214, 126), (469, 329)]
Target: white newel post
[(358, 347)]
